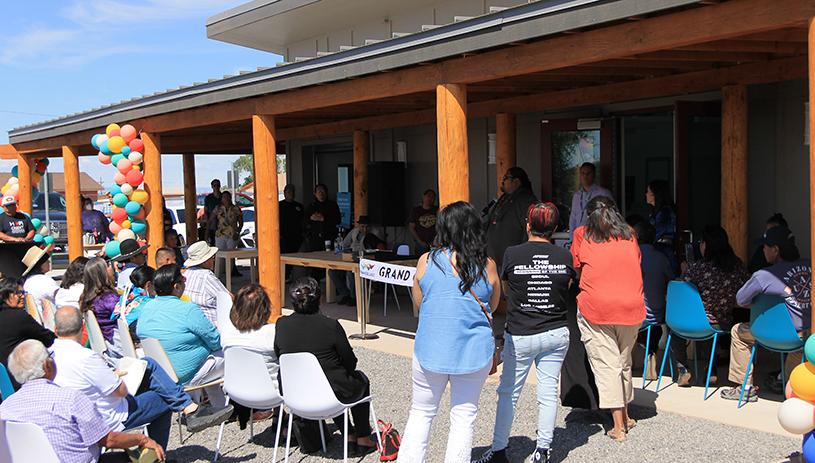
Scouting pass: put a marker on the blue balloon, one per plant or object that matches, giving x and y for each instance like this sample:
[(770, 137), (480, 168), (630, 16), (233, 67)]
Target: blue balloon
[(138, 226), (93, 141), (103, 147), (112, 249), (809, 447), (116, 158), (120, 200), (38, 238), (14, 171), (35, 193), (132, 208), (115, 190), (126, 150)]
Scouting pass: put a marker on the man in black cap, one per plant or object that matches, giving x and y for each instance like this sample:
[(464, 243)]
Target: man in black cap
[(14, 225), (344, 281), (789, 277), (131, 252), (507, 220)]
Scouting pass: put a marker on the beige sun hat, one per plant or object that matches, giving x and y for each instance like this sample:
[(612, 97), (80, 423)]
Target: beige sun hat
[(198, 253), (31, 258)]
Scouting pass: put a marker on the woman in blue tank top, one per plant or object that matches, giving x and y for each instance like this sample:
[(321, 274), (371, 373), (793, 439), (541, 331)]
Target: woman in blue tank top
[(457, 286)]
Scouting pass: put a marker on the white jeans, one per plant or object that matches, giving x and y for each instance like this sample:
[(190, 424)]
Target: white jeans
[(428, 388), (211, 369)]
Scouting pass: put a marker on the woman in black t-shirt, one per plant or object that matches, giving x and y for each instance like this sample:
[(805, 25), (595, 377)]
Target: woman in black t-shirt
[(536, 276)]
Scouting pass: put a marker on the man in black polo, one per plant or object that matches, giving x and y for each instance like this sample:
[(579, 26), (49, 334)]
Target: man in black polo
[(211, 201)]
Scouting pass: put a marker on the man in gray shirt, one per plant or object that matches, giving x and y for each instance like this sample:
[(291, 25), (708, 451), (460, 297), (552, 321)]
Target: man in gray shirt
[(789, 277)]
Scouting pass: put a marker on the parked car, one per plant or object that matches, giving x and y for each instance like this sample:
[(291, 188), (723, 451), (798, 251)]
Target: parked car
[(57, 217), (247, 238)]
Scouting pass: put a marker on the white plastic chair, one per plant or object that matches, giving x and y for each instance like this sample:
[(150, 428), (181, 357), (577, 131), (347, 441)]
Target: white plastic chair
[(95, 334), (128, 348), (223, 309), (152, 348), (247, 382), (308, 394), (26, 443)]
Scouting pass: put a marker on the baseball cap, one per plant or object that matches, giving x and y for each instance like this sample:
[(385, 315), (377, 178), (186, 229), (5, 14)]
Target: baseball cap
[(9, 200), (777, 236)]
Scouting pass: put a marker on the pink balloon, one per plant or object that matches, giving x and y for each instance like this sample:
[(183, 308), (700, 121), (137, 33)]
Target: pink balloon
[(114, 133), (118, 215), (128, 132), (136, 145), (104, 158), (134, 178), (114, 228), (119, 178), (124, 166)]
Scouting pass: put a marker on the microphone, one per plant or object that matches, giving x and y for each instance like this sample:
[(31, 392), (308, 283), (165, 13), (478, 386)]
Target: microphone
[(487, 209)]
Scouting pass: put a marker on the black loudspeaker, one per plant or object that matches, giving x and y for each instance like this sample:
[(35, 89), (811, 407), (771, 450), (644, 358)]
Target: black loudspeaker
[(386, 193)]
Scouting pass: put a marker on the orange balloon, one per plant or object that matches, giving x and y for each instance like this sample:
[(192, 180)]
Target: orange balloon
[(802, 380)]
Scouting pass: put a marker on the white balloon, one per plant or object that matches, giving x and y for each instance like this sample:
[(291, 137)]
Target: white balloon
[(14, 187), (134, 157), (125, 234), (796, 416), (43, 230), (13, 180), (126, 189)]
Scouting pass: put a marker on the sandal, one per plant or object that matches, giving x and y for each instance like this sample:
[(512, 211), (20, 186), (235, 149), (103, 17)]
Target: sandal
[(631, 424), (619, 436)]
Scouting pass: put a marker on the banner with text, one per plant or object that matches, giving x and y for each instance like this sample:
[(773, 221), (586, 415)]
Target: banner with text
[(386, 273)]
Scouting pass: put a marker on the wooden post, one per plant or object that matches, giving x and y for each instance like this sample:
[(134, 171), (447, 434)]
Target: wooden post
[(267, 218), (190, 199), (812, 131), (362, 155), (24, 169), (451, 128), (505, 146), (734, 167), (155, 204), (70, 161)]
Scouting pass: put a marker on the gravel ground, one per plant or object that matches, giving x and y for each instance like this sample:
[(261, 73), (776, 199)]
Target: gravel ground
[(578, 437)]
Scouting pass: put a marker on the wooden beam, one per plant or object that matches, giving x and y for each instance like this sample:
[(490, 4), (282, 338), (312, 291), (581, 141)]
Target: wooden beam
[(155, 203), (267, 218), (24, 168), (812, 132), (453, 157), (8, 152), (718, 22), (505, 145), (734, 167), (73, 202), (362, 154), (190, 199)]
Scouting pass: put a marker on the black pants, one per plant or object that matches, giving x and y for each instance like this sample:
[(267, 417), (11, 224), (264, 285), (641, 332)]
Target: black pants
[(359, 423)]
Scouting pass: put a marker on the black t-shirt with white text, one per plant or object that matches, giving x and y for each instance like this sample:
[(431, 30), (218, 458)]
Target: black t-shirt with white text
[(538, 274), (16, 226)]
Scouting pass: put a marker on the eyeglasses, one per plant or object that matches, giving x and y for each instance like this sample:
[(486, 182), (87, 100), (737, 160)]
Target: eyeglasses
[(508, 177), (20, 292)]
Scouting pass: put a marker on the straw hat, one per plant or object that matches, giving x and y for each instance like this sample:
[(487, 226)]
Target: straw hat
[(31, 258), (129, 248), (198, 253)]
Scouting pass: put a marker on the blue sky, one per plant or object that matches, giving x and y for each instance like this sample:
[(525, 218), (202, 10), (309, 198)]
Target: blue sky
[(68, 56)]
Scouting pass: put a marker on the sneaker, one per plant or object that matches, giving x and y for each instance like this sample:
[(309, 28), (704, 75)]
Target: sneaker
[(683, 378), (207, 416), (751, 395), (774, 384), (540, 456), (494, 456)]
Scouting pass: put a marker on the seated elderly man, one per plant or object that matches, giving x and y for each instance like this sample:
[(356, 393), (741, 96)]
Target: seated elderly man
[(202, 285), (191, 342), (70, 421), (85, 371), (343, 280), (788, 276), (166, 255)]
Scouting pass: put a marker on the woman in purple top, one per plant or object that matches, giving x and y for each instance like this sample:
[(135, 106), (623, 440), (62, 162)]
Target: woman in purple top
[(94, 221), (99, 296)]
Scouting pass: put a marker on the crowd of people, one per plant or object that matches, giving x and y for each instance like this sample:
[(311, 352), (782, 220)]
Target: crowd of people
[(575, 313)]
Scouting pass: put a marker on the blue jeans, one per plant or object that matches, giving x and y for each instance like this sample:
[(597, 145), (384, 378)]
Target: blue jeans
[(156, 404), (547, 350)]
